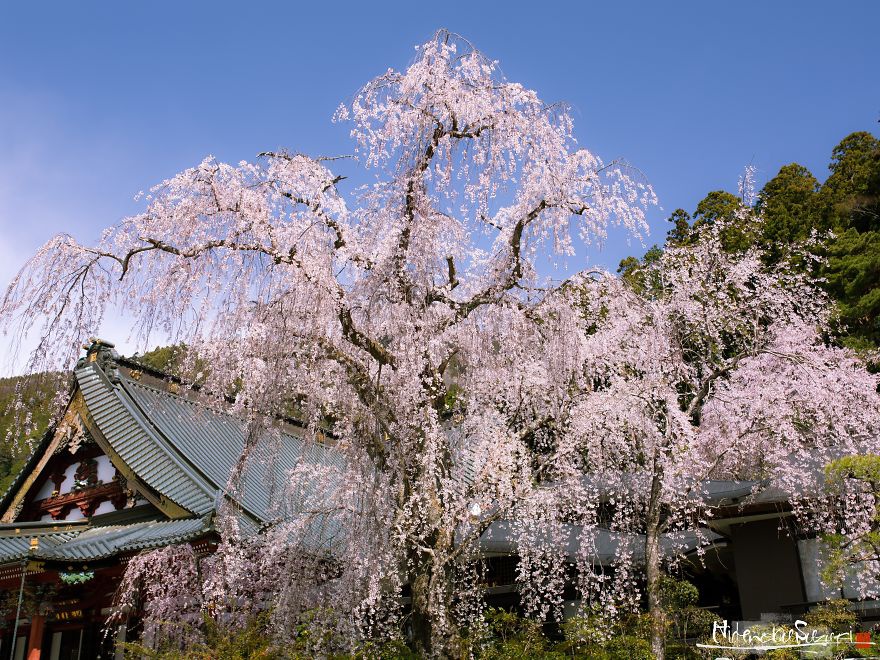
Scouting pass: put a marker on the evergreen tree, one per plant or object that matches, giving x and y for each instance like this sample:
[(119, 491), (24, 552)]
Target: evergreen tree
[(720, 205), (790, 207), (850, 200), (680, 234)]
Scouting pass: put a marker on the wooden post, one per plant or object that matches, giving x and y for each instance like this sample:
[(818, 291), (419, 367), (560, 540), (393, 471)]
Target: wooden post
[(35, 641)]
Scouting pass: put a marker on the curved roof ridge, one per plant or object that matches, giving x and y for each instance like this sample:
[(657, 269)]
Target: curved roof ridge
[(176, 440), (206, 404), (213, 440), (163, 469)]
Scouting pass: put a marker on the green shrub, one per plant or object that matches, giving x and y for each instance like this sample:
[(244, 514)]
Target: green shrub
[(250, 642), (627, 647), (512, 636), (832, 615), (677, 594)]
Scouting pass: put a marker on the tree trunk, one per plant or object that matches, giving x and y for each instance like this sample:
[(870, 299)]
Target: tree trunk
[(653, 571), (433, 633), (420, 618)]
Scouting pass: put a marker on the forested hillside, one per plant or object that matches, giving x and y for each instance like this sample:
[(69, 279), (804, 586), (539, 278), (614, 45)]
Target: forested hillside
[(19, 431)]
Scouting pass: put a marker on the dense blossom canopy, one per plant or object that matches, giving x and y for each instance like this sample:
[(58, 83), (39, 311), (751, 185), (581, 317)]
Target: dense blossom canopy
[(408, 323)]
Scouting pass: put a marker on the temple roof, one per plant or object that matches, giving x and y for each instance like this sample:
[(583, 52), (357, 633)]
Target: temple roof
[(179, 447), (213, 442), (87, 543), (131, 435)]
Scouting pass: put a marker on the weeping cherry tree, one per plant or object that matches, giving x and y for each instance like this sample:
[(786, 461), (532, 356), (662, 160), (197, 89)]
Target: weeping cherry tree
[(352, 309)]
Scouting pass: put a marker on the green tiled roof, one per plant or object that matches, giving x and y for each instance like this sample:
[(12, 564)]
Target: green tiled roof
[(100, 542), (185, 450), (16, 547), (213, 441), (149, 455), (93, 543)]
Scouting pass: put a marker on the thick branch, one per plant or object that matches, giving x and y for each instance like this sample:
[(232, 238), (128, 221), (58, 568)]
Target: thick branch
[(410, 202), (696, 405), (367, 392), (494, 291), (362, 341), (315, 208), (450, 265), (193, 252)]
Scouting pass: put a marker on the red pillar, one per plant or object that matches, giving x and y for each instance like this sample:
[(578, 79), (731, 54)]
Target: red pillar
[(35, 640)]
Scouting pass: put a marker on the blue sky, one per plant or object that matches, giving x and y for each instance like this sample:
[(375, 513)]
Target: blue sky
[(99, 100)]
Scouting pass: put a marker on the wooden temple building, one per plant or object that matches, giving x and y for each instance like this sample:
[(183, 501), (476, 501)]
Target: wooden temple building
[(136, 464)]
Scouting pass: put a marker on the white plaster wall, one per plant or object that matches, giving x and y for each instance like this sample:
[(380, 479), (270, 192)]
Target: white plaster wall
[(104, 507), (106, 471), (46, 490), (67, 484)]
